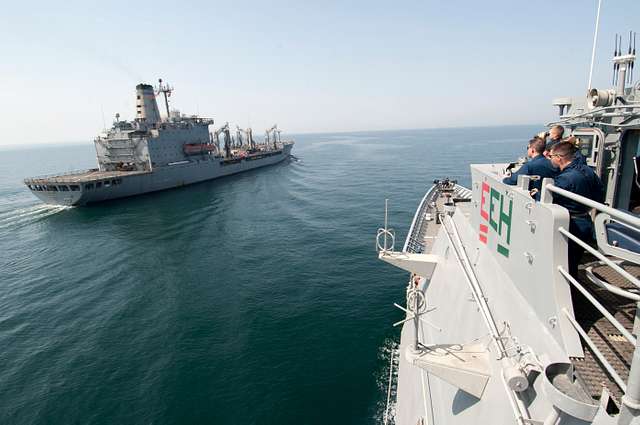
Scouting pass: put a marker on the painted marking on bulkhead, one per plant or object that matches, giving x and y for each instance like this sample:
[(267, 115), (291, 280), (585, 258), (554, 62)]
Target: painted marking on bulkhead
[(492, 211)]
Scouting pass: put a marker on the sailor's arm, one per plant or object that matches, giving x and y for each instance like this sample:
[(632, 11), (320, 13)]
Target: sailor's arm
[(512, 180)]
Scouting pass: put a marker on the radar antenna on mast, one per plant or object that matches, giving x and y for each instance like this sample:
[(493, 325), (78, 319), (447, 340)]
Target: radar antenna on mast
[(623, 63), (166, 90)]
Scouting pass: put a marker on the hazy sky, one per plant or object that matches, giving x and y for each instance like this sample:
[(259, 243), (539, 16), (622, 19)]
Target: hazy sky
[(309, 66)]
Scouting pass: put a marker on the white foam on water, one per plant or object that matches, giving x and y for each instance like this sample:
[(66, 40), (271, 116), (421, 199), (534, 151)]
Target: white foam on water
[(24, 216), (388, 354), (11, 214)]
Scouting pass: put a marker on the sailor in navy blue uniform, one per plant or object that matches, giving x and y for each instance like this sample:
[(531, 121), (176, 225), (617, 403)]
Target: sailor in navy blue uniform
[(577, 177), (555, 136), (537, 165)]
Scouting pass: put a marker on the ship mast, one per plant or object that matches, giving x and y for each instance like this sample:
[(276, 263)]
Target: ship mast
[(166, 90)]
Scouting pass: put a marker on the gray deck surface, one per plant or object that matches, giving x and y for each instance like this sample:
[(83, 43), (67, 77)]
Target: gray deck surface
[(82, 177)]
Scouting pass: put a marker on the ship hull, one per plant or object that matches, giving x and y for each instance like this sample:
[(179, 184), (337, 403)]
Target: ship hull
[(161, 178)]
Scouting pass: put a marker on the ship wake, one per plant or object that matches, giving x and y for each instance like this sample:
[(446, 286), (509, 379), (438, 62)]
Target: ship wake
[(25, 216), (386, 380)]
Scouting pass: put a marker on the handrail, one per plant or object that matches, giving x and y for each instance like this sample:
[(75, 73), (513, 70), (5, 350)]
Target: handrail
[(609, 287), (419, 215), (597, 305), (603, 360), (617, 214), (549, 189), (596, 112), (625, 219), (632, 279), (66, 173), (413, 241)]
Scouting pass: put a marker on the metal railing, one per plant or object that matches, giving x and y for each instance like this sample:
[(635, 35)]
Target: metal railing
[(413, 243), (627, 111), (632, 222), (66, 173), (622, 216)]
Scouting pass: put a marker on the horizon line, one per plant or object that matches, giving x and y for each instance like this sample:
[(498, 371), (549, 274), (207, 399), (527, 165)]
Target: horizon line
[(27, 146)]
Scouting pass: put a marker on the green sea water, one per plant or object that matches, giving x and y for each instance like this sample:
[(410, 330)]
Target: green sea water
[(251, 299)]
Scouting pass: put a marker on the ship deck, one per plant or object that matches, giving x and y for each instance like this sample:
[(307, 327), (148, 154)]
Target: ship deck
[(607, 339), (84, 176)]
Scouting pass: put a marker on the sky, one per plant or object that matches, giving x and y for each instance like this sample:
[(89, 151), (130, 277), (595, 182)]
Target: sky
[(328, 66)]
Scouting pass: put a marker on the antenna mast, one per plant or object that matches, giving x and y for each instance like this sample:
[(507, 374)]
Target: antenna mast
[(623, 64), (595, 40)]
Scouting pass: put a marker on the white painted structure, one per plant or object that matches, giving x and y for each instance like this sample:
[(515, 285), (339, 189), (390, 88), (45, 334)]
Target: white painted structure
[(496, 330)]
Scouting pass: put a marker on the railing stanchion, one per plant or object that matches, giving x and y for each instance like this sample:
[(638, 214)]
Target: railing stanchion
[(630, 411)]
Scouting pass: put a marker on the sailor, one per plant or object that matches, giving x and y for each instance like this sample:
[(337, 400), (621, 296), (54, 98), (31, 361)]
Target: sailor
[(537, 165), (576, 177), (555, 136)]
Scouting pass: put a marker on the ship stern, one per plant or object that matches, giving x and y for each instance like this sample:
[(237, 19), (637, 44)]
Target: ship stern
[(56, 194)]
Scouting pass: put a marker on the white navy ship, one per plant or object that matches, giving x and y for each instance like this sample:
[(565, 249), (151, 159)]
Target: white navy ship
[(496, 330), (153, 153)]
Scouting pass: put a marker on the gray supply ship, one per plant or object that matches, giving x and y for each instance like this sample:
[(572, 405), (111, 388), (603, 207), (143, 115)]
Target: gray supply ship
[(496, 330), (152, 153)]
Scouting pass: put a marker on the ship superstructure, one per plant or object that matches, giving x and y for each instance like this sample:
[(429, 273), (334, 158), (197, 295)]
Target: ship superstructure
[(496, 330), (153, 153)]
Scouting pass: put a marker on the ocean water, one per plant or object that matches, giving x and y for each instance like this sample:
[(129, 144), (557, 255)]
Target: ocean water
[(252, 299)]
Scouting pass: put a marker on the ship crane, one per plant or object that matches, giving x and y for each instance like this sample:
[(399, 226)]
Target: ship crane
[(239, 136), (248, 135), (227, 139), (276, 134)]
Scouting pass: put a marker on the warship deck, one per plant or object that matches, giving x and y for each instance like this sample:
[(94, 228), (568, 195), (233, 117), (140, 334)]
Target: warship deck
[(84, 176), (608, 340)]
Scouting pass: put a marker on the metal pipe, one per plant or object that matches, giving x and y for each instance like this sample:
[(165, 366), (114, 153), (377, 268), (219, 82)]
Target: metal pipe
[(599, 306), (632, 279), (618, 215), (476, 289), (613, 289), (416, 324), (518, 410), (603, 360), (595, 40), (553, 417), (630, 411), (386, 205), (600, 111), (481, 300), (605, 124)]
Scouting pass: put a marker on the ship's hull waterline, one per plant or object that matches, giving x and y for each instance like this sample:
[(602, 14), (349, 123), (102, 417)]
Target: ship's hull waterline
[(132, 184)]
